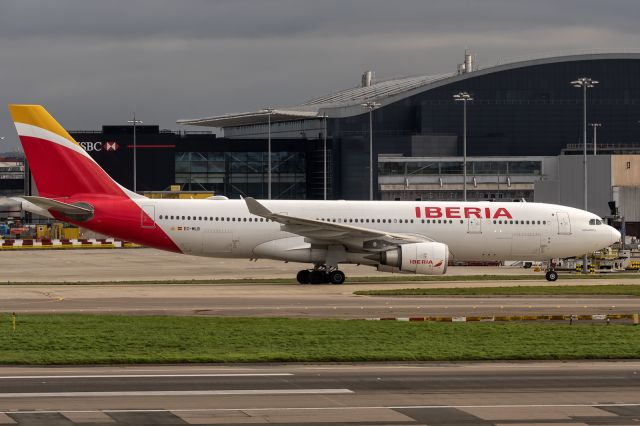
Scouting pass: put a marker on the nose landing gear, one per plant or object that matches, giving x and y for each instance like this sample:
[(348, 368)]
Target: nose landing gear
[(321, 274)]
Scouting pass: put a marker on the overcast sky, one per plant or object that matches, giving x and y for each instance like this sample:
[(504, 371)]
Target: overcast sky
[(96, 62)]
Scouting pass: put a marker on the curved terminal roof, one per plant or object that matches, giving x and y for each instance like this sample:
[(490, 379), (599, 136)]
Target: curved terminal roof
[(349, 102)]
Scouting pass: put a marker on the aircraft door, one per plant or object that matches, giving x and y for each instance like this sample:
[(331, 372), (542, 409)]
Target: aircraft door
[(148, 217), (474, 225), (564, 223)]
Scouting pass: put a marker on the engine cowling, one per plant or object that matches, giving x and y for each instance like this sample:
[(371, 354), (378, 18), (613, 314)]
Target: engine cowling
[(420, 258)]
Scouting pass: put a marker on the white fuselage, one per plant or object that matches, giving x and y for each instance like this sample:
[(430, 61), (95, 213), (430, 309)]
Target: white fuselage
[(473, 231)]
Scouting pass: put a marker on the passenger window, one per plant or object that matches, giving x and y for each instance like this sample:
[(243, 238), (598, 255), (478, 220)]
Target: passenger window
[(171, 217), (182, 217)]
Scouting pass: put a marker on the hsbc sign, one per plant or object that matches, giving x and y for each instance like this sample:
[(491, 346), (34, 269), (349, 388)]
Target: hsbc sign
[(99, 146)]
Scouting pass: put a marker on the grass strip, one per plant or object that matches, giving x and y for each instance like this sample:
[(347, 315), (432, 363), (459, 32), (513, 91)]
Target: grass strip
[(350, 280), (555, 290), (93, 339)]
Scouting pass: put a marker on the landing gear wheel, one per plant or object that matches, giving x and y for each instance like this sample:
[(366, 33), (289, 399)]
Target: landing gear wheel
[(551, 275), (303, 276), (336, 277), (317, 277)]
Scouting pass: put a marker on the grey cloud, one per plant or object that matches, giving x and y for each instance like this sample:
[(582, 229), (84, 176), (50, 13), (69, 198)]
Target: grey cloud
[(95, 62), (286, 18)]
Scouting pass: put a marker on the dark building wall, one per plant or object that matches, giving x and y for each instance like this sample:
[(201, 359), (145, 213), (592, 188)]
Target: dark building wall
[(525, 111), (235, 160)]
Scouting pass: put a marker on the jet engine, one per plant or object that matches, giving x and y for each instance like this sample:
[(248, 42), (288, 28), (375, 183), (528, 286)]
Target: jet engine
[(420, 258)]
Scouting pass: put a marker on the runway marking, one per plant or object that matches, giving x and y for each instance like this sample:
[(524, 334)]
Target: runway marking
[(344, 408), (180, 393), (117, 376)]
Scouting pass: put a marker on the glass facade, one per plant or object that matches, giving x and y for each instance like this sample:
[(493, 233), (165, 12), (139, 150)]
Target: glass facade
[(441, 179), (474, 167), (11, 177), (244, 174)]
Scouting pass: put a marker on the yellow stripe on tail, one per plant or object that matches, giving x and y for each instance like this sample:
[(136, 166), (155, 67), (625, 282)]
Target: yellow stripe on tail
[(36, 115)]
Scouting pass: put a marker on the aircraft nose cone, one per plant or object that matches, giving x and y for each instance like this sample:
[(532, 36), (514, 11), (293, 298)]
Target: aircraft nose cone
[(615, 235)]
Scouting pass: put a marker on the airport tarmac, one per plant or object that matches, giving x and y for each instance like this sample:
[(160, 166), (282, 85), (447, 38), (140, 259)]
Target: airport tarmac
[(519, 393), (256, 299), (150, 264), (288, 300)]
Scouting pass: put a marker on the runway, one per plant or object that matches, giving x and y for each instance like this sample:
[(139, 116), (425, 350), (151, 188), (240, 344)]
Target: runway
[(571, 393), (288, 300)]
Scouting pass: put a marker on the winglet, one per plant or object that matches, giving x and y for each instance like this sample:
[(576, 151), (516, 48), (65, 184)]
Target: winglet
[(256, 208)]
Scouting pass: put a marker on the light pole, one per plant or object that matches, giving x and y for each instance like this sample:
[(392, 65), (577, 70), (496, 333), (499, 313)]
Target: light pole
[(464, 97), (324, 134), (135, 152), (371, 106), (269, 111), (584, 83), (595, 135)]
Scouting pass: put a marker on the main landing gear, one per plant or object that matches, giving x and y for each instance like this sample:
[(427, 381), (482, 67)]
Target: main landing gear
[(551, 274), (321, 274)]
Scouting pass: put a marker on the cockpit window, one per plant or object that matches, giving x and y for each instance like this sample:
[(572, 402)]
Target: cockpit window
[(595, 222)]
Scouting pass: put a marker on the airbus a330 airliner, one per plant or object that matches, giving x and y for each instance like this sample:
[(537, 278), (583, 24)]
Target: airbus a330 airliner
[(402, 236)]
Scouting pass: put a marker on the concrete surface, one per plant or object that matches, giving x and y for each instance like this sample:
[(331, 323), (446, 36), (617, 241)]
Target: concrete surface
[(150, 264), (568, 393), (289, 300)]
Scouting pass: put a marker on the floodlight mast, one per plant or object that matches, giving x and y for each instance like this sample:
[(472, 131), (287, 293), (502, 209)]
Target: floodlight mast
[(595, 136), (371, 106), (269, 112), (464, 97), (584, 83), (324, 162), (135, 152)]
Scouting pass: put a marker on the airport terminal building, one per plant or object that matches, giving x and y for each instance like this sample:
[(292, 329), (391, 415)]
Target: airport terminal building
[(519, 109)]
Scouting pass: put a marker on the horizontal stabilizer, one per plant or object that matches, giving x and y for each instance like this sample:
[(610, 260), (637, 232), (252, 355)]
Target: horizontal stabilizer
[(69, 210)]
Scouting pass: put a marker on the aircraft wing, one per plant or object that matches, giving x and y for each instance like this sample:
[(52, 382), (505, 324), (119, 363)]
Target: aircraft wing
[(317, 231)]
